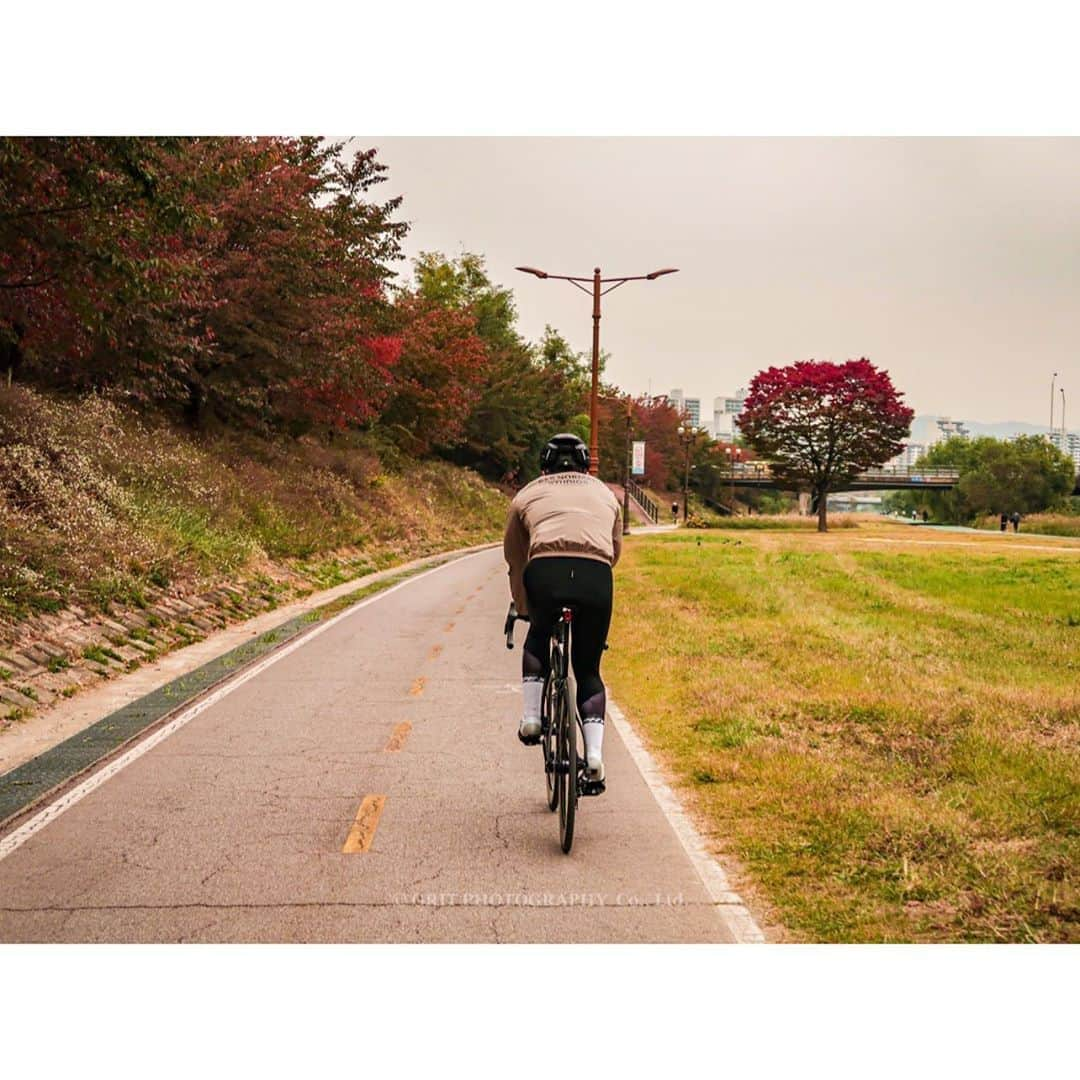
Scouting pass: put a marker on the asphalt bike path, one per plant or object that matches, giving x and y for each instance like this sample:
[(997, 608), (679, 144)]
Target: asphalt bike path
[(367, 786)]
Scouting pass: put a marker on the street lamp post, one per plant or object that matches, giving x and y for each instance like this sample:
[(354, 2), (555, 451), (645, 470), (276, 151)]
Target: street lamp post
[(1053, 379), (687, 435), (626, 470), (733, 453), (597, 291)]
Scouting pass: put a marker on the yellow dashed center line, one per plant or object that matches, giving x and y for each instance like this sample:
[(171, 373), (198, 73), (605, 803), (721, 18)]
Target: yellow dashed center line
[(401, 733), (435, 652), (448, 627), (363, 828), (417, 687)]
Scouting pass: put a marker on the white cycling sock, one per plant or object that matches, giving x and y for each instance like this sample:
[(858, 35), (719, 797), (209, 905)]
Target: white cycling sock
[(594, 736), (532, 689)]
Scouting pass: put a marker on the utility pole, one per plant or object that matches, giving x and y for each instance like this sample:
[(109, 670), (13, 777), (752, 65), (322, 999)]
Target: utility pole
[(626, 470), (687, 436)]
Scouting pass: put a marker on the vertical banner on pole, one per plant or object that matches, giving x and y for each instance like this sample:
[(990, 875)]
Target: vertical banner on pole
[(638, 468)]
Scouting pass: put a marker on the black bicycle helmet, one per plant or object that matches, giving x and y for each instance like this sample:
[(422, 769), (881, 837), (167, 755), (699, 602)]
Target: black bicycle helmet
[(564, 453)]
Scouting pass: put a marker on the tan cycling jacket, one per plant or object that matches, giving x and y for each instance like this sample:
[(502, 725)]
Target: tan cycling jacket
[(566, 513)]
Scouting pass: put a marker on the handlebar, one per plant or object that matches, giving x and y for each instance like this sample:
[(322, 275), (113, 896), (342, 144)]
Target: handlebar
[(512, 617)]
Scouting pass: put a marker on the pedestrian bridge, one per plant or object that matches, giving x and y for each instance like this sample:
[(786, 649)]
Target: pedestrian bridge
[(758, 474)]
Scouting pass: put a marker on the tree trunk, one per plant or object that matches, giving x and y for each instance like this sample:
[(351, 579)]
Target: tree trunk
[(822, 508), (195, 406), (11, 354)]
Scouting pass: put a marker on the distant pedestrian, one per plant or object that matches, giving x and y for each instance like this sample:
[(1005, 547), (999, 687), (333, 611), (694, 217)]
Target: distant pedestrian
[(674, 513), (1015, 519), (1004, 521), (925, 516)]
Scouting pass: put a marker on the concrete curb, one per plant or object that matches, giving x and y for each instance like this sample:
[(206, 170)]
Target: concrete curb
[(729, 905)]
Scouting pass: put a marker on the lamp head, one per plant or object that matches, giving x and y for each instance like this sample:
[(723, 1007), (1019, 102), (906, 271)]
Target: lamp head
[(532, 270), (660, 273)]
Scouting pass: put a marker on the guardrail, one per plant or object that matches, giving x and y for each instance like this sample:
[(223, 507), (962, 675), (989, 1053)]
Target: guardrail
[(637, 493), (761, 470)]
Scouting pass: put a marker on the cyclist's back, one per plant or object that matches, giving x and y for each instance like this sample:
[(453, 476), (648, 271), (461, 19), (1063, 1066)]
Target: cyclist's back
[(561, 514), (563, 535)]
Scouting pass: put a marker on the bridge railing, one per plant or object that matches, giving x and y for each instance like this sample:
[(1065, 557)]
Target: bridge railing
[(761, 470), (637, 493)]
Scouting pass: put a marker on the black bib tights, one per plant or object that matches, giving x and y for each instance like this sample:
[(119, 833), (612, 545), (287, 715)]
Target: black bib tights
[(557, 581)]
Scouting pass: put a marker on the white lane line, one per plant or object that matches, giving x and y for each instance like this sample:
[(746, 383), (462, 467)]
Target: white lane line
[(729, 905), (66, 801)]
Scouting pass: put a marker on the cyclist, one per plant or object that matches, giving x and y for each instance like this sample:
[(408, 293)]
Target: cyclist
[(563, 536)]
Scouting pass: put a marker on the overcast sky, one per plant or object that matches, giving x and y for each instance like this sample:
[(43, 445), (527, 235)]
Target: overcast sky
[(953, 263)]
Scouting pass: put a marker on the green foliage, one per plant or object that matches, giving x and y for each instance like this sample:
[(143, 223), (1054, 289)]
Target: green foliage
[(527, 394), (464, 283), (1026, 474), (574, 369)]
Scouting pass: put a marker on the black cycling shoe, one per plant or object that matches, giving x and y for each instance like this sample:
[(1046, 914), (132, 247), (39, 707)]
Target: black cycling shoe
[(592, 787)]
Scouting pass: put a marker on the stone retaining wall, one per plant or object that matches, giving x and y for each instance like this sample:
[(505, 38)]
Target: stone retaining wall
[(51, 655)]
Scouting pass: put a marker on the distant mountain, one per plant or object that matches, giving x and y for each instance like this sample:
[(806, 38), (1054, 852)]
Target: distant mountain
[(924, 429)]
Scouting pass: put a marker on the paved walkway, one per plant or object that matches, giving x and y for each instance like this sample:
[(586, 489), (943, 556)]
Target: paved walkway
[(366, 786)]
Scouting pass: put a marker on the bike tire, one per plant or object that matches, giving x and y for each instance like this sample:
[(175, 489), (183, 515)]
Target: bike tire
[(550, 744), (568, 769)]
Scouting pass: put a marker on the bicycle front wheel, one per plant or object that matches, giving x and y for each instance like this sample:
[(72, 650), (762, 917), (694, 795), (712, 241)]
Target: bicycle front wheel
[(567, 775)]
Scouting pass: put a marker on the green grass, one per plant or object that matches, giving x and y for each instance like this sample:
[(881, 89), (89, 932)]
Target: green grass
[(886, 737), (100, 654)]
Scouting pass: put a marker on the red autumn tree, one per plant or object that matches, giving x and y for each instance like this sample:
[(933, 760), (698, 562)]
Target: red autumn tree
[(96, 269), (243, 277), (653, 420), (820, 423), (438, 377)]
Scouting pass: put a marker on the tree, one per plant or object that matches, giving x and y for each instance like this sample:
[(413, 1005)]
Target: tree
[(1026, 474), (441, 369), (302, 325), (96, 267), (654, 421), (243, 275), (527, 394), (820, 423)]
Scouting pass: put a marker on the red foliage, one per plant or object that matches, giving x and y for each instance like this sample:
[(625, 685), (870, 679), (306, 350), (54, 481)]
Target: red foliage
[(819, 423), (442, 368), (227, 271), (343, 399), (653, 420)]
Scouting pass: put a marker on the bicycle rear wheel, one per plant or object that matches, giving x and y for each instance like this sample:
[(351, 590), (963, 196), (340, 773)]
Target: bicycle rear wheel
[(549, 742), (567, 774)]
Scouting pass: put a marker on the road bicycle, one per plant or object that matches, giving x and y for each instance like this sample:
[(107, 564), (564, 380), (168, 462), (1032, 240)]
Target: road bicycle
[(561, 734)]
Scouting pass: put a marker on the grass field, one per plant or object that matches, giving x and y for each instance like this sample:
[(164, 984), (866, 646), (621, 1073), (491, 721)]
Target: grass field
[(883, 731)]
